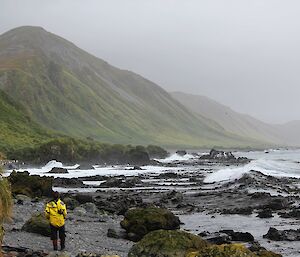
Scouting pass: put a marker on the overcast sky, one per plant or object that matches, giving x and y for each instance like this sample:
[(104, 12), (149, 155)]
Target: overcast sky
[(242, 53)]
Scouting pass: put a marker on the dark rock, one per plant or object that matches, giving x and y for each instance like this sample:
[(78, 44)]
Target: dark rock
[(140, 221), (118, 204), (112, 233), (57, 170), (181, 152), (85, 166), (172, 196), (84, 198), (239, 236), (267, 213), (216, 155), (168, 175), (216, 238), (241, 211), (260, 195), (68, 182), (136, 168), (112, 182), (295, 213), (278, 203), (283, 235)]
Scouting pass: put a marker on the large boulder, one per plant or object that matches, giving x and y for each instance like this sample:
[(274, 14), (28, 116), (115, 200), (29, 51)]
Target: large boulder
[(37, 224), (221, 156), (33, 186), (167, 243), (283, 235), (140, 221)]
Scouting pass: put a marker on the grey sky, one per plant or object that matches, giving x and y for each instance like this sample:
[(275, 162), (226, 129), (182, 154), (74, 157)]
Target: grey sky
[(242, 53)]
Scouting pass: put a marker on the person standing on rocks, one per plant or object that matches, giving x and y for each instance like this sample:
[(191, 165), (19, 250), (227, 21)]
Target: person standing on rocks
[(56, 212)]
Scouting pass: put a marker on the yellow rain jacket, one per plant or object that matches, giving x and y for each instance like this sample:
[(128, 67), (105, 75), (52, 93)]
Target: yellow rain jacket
[(56, 213)]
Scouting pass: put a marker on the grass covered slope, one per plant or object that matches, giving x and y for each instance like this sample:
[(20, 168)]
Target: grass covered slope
[(237, 123), (68, 90), (17, 128)]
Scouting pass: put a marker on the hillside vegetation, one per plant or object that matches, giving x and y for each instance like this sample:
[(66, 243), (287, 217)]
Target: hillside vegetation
[(16, 126), (65, 89)]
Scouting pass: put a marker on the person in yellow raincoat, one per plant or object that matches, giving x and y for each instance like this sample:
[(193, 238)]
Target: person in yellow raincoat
[(56, 212)]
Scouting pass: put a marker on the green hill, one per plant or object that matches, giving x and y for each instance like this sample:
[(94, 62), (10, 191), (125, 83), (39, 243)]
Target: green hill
[(68, 90), (17, 128)]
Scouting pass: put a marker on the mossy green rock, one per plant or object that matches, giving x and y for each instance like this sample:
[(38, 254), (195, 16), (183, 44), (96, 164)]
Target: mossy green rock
[(230, 250), (140, 221), (33, 186), (167, 243), (37, 224)]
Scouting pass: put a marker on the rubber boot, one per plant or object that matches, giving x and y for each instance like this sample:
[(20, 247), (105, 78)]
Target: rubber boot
[(62, 244), (54, 245)]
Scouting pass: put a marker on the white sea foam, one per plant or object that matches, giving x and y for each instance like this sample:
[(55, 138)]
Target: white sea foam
[(176, 157), (266, 166), (102, 171)]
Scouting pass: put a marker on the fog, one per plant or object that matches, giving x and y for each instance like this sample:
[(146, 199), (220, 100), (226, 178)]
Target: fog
[(242, 53)]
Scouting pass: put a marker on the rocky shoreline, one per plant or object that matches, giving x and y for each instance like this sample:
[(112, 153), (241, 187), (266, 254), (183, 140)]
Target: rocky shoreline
[(94, 218)]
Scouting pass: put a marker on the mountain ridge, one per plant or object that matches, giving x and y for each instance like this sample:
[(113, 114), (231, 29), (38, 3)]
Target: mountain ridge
[(66, 89), (239, 123)]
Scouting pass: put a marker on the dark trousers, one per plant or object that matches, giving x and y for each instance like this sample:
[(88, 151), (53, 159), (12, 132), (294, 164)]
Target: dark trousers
[(58, 230)]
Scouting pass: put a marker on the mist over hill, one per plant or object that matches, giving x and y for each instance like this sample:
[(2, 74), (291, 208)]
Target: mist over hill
[(66, 89), (241, 124)]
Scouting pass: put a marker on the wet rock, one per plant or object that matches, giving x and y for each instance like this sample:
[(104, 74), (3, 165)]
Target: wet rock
[(223, 156), (131, 182), (85, 166), (267, 213), (181, 152), (172, 196), (118, 204), (140, 221), (9, 251), (168, 175), (57, 170), (260, 195), (112, 233), (37, 224), (283, 235), (216, 238), (67, 182), (241, 211), (84, 198), (295, 213), (166, 243), (112, 182), (278, 203), (239, 236)]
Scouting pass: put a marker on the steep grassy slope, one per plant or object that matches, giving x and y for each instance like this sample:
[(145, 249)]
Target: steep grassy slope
[(240, 124), (16, 127), (71, 91)]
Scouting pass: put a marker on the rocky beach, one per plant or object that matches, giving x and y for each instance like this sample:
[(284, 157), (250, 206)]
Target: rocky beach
[(223, 197)]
